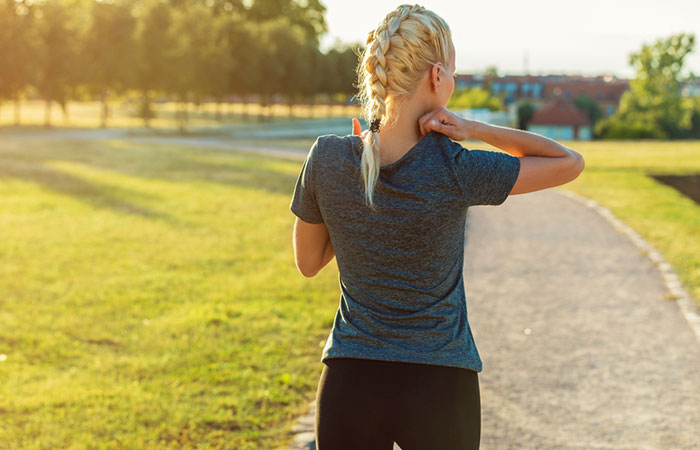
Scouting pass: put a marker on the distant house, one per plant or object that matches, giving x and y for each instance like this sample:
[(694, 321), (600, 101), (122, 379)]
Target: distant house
[(561, 120), (605, 90)]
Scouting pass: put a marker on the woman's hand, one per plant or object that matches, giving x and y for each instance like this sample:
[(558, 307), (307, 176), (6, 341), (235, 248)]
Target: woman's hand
[(357, 128), (446, 122)]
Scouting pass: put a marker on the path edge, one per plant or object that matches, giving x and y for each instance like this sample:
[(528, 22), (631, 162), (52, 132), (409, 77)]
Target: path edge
[(689, 309)]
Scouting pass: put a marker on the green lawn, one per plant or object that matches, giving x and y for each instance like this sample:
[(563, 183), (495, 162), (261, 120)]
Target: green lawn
[(149, 299)]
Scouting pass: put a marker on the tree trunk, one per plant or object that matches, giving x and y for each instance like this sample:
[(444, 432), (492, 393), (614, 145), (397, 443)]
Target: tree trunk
[(218, 110), (262, 103), (47, 114), (186, 111), (145, 109), (17, 106), (183, 114), (64, 110), (105, 109), (312, 105)]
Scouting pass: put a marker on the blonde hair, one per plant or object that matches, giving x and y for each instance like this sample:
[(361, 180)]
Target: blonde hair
[(405, 44)]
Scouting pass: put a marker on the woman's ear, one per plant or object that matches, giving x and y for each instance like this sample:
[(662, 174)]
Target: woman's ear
[(434, 77)]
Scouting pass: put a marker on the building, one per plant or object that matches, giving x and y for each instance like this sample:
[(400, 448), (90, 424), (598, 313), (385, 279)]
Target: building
[(605, 90), (541, 90), (559, 119)]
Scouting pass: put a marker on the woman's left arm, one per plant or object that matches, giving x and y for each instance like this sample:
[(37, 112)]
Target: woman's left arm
[(312, 243), (312, 247)]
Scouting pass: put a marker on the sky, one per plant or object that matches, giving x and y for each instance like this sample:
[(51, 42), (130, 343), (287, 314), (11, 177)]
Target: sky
[(536, 36)]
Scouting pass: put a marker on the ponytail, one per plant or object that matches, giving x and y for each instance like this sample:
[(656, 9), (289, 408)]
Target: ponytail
[(370, 165)]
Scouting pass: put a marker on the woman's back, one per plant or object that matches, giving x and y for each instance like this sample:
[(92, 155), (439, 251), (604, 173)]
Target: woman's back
[(400, 267)]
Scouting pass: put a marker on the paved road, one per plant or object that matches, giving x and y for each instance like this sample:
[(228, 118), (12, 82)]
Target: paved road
[(608, 363), (580, 348)]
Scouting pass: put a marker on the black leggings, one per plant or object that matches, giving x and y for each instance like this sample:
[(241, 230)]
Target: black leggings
[(364, 404)]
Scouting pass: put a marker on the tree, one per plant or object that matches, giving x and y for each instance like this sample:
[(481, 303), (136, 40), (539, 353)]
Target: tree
[(16, 47), (58, 55), (309, 15), (491, 72), (245, 56), (474, 98), (201, 63), (586, 104), (525, 112), (338, 71), (214, 72), (281, 69), (315, 71), (654, 107), (156, 55), (109, 52)]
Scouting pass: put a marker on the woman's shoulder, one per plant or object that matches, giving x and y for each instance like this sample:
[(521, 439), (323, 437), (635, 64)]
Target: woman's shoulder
[(346, 145), (444, 147), (336, 145), (446, 143), (335, 140)]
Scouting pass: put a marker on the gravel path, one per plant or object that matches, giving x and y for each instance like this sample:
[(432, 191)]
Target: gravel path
[(608, 361), (580, 347)]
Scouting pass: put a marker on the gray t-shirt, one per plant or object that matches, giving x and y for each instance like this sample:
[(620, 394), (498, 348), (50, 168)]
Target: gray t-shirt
[(402, 294)]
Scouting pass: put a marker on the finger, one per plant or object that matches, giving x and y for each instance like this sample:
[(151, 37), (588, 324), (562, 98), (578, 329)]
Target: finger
[(438, 126), (356, 128), (426, 118)]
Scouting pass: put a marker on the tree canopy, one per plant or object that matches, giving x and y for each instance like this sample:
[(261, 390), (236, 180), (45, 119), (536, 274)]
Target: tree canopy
[(187, 49), (654, 107)]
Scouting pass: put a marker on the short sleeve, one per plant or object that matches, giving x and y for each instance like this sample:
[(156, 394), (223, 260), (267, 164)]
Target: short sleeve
[(486, 177), (304, 202)]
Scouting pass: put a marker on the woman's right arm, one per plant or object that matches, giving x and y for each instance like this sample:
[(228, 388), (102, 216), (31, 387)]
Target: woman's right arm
[(544, 163)]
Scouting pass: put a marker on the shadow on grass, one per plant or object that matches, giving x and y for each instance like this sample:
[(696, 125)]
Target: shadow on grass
[(65, 183), (29, 160), (177, 163), (688, 185)]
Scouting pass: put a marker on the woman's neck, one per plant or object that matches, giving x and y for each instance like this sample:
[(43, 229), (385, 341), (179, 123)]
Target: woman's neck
[(397, 139)]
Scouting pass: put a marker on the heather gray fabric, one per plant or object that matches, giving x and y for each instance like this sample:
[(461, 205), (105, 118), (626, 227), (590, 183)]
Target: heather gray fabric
[(402, 295)]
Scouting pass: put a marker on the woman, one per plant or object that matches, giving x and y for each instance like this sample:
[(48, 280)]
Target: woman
[(400, 363)]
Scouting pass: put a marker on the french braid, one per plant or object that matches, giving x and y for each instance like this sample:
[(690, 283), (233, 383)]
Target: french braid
[(398, 50)]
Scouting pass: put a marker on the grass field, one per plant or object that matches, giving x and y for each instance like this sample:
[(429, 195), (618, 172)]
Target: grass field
[(149, 299)]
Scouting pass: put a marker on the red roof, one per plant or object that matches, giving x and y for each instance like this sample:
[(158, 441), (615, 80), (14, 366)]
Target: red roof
[(559, 112), (598, 91)]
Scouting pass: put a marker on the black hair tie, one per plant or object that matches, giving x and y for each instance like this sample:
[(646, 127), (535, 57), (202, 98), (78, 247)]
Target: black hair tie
[(374, 127)]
